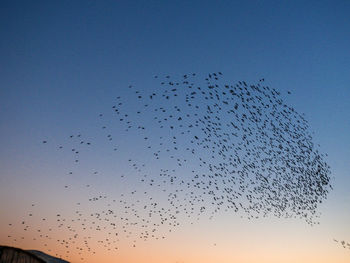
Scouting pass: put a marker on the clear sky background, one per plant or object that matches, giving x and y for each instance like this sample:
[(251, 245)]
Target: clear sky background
[(61, 61)]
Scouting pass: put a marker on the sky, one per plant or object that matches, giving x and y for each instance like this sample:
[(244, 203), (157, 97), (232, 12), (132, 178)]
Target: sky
[(63, 62)]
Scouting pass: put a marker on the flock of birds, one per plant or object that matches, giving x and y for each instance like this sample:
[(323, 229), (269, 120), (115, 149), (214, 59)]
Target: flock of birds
[(195, 147), (343, 243)]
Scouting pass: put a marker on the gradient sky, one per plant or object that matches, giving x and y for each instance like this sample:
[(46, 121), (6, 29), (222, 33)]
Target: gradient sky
[(61, 61)]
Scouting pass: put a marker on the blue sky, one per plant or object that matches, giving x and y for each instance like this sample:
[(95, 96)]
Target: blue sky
[(62, 61)]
